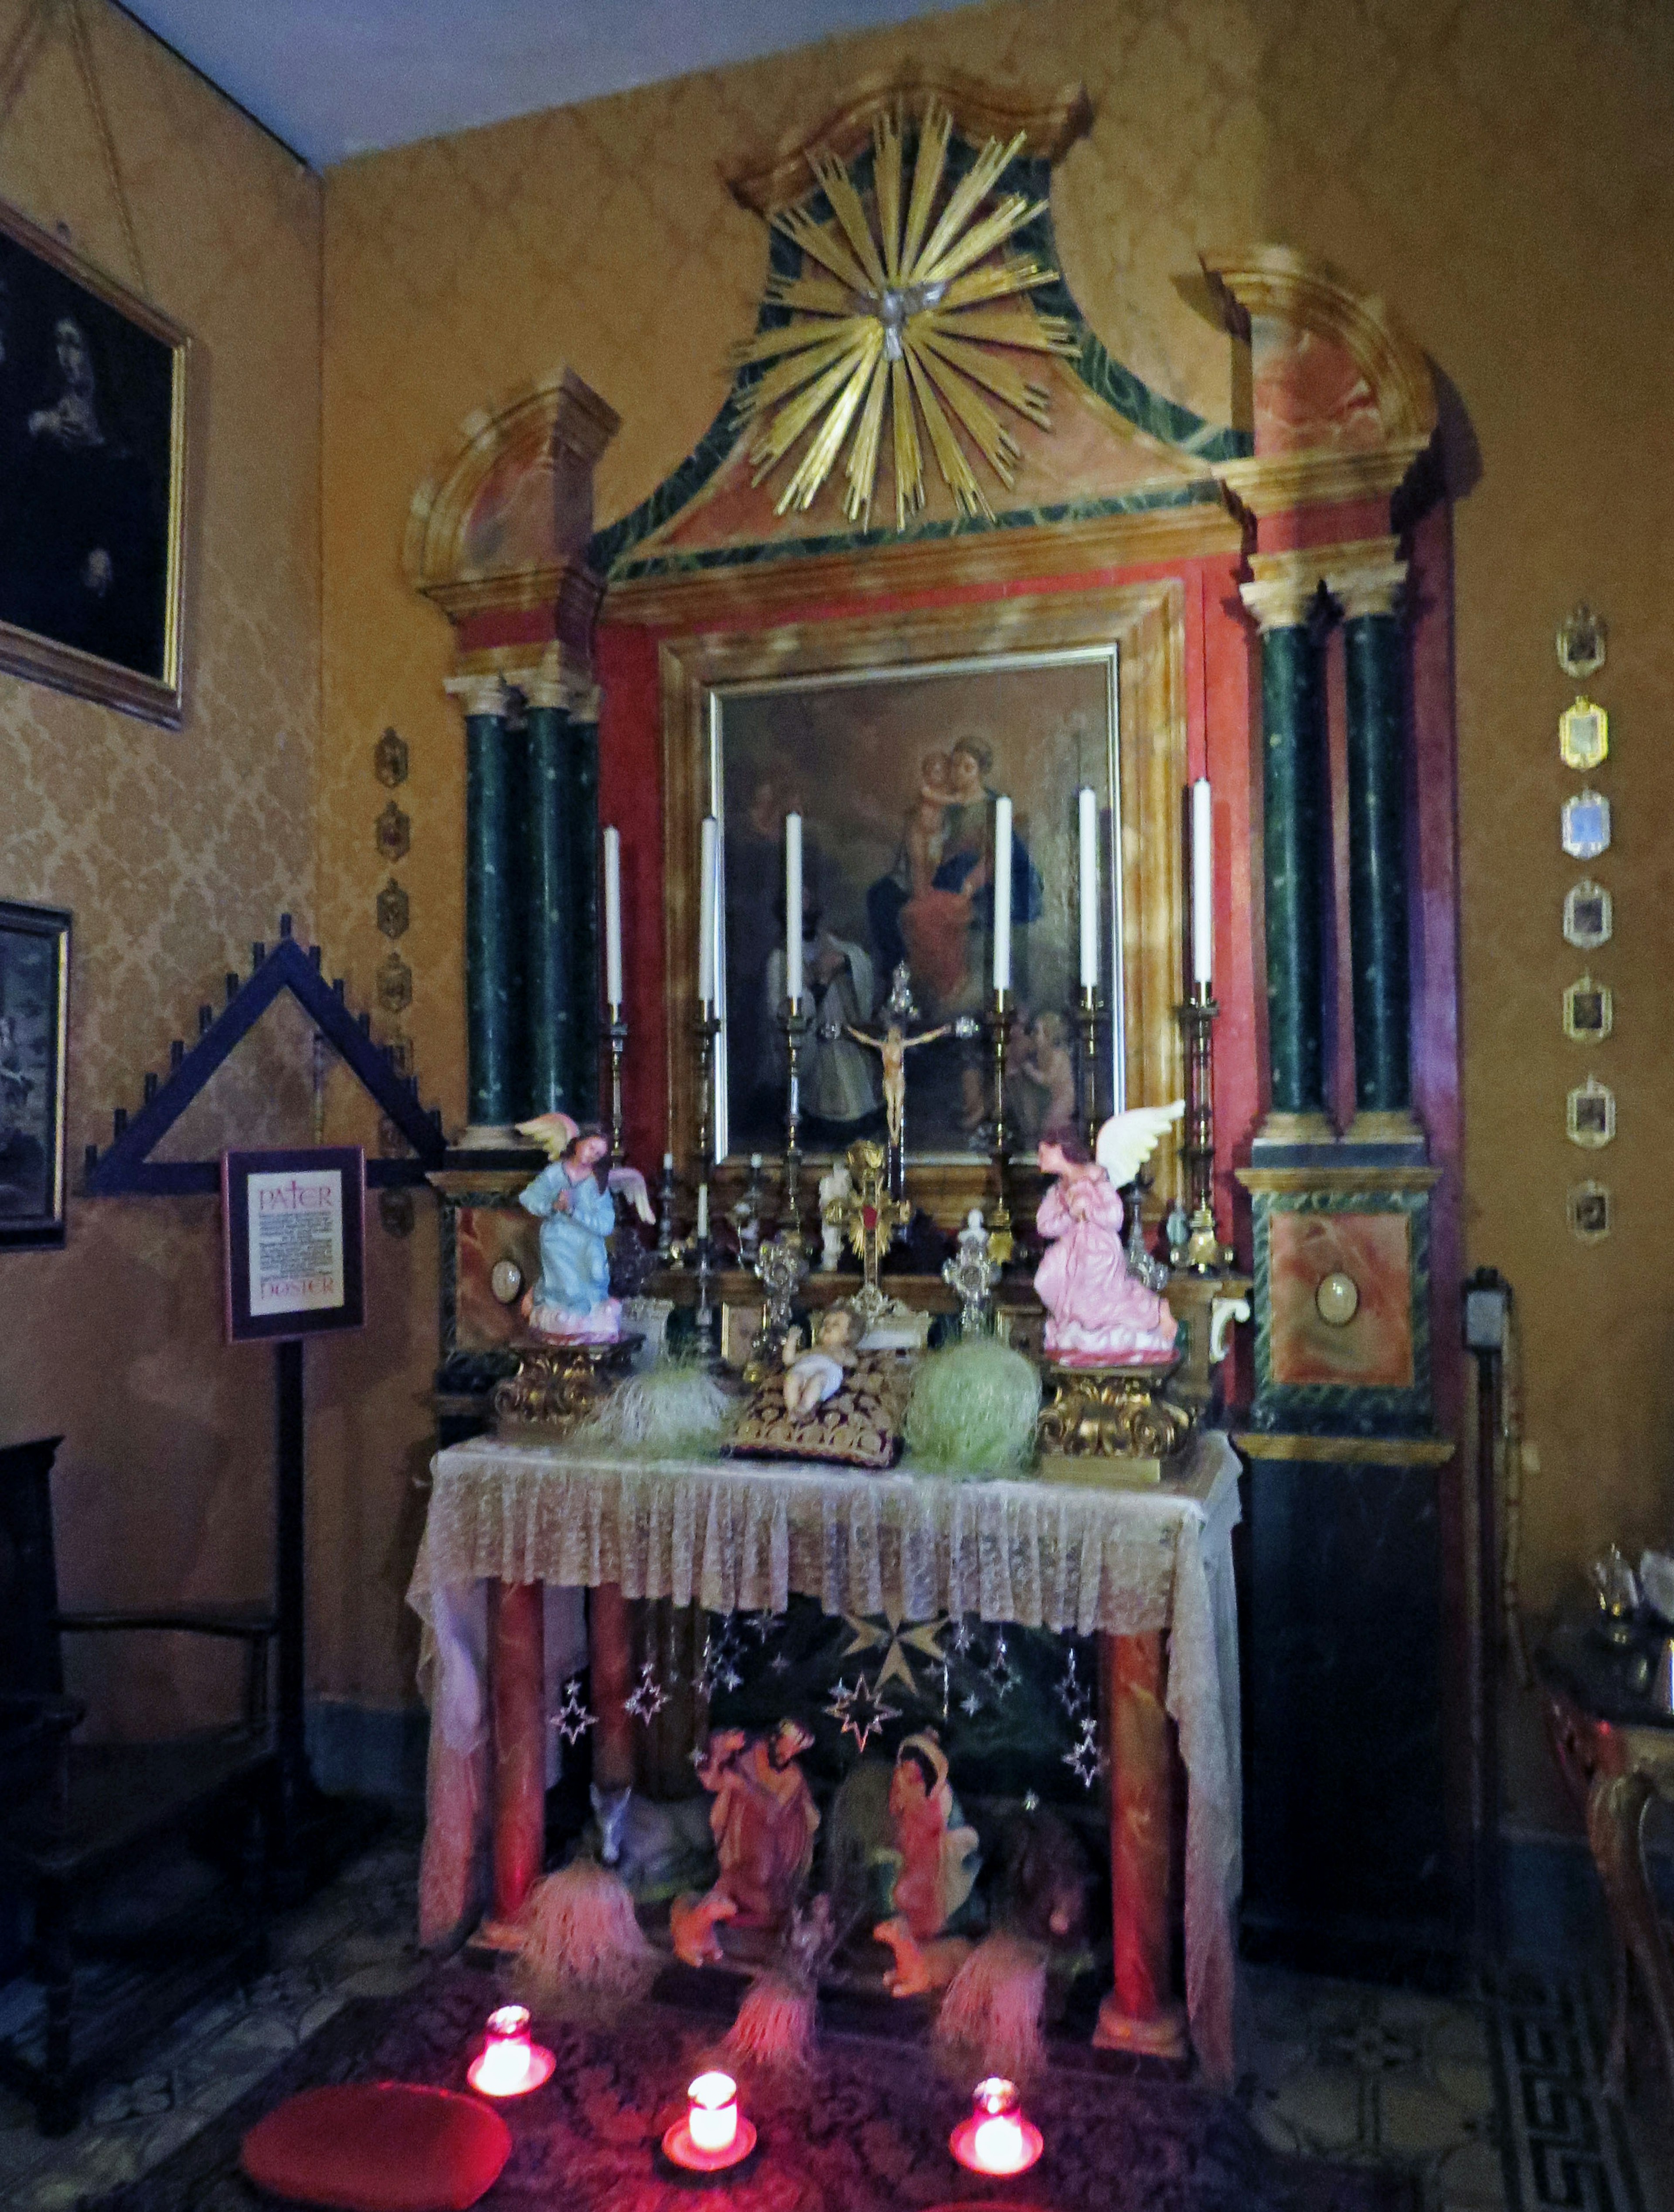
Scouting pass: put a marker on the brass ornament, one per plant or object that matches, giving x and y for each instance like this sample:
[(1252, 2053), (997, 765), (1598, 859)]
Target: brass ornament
[(389, 760), (1589, 915), (394, 982), (557, 1386), (392, 835), (1584, 735), (900, 315), (394, 912), (1591, 1212), (1336, 1299), (868, 1218), (1589, 1011), (1117, 1414), (1582, 639), (1590, 1114)]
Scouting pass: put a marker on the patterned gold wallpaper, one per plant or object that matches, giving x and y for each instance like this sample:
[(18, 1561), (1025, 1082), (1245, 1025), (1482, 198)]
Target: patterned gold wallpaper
[(1499, 173), (174, 849)]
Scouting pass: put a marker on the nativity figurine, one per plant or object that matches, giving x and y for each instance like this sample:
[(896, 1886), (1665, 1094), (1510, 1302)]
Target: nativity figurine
[(1097, 1315), (764, 1820), (938, 1853), (571, 1198), (813, 1375)]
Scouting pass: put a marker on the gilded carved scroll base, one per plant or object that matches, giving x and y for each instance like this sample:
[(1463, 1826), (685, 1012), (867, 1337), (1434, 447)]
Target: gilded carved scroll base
[(557, 1386), (1111, 1425)]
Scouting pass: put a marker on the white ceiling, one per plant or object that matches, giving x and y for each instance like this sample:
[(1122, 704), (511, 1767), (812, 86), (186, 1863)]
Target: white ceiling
[(336, 77)]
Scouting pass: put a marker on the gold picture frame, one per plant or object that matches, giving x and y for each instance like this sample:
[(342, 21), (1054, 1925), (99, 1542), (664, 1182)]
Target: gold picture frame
[(1584, 735), (1590, 1114), (1589, 1011), (93, 407), (1140, 629)]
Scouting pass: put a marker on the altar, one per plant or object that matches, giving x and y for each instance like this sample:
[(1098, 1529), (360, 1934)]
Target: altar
[(1148, 1572)]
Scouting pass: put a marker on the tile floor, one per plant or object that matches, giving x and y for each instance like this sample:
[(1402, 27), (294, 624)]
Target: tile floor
[(1491, 2099)]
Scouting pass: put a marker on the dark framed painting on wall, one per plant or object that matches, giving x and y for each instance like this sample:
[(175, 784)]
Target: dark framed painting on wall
[(93, 475), (34, 1011)]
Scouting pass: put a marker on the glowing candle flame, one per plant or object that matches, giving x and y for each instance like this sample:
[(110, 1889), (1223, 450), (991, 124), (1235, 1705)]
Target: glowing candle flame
[(713, 2118), (509, 2064), (996, 2138)]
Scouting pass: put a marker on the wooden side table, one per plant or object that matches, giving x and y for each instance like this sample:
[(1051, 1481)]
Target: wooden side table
[(1616, 1751)]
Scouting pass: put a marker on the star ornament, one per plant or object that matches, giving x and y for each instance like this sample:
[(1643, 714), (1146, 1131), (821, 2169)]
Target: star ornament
[(910, 310), (860, 1711), (648, 1696), (573, 1720), (896, 1637)]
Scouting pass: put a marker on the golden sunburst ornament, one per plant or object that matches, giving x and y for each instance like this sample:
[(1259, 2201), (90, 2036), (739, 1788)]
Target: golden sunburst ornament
[(917, 316)]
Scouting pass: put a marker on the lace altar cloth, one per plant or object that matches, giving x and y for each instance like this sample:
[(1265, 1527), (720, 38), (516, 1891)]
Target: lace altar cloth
[(733, 1535)]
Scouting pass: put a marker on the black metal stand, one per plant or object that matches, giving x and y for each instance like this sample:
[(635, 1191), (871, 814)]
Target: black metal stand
[(315, 1834), (1486, 1308)]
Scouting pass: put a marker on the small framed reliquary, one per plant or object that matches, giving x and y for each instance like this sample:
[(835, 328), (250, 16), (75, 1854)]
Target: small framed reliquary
[(1590, 1114), (1589, 915), (1589, 1011)]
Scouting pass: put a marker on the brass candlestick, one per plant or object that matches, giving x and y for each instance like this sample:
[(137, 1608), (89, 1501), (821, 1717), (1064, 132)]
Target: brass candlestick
[(708, 1029), (1086, 1020), (1203, 1254), (617, 1033), (796, 1024), (1000, 1240)]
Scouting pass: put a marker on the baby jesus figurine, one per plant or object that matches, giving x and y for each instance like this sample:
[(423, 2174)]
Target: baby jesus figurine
[(813, 1375)]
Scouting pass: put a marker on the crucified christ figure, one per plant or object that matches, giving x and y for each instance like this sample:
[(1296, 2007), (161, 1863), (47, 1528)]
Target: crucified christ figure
[(892, 1049)]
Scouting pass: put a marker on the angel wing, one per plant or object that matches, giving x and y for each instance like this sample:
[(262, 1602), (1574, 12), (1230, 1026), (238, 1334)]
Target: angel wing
[(632, 1183), (1127, 1141)]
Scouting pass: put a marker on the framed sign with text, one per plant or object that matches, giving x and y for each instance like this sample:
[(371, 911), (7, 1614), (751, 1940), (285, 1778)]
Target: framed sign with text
[(294, 1226)]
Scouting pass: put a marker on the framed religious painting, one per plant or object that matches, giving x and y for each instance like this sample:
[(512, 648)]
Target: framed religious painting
[(93, 475), (35, 1018), (895, 741)]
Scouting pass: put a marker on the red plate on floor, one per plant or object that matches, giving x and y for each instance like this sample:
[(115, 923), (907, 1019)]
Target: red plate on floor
[(378, 2147)]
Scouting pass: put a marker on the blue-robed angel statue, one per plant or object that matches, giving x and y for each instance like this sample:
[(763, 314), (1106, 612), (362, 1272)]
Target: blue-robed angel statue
[(573, 1201)]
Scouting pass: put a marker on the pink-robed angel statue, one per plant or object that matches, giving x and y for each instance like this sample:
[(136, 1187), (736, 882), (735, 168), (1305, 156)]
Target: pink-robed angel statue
[(1096, 1315)]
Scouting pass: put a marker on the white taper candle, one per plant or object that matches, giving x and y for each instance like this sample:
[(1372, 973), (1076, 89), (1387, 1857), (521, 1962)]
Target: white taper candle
[(1202, 883), (1002, 894), (706, 915), (793, 908), (613, 922), (1088, 806), (703, 1209)]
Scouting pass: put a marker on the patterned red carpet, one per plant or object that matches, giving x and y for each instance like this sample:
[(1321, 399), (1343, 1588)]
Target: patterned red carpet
[(866, 2132)]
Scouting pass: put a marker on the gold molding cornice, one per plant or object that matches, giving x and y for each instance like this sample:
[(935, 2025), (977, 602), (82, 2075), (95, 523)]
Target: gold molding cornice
[(1366, 577), (1277, 281), (1282, 588), (1022, 554), (479, 691), (1348, 1451), (1344, 1182), (771, 181), (560, 423), (1324, 477)]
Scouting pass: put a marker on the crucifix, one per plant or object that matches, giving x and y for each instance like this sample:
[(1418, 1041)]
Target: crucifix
[(892, 1049), (869, 1216)]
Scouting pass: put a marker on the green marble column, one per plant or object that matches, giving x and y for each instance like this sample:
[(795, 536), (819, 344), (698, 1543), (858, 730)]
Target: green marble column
[(491, 920), (1294, 780), (1374, 651), (549, 970), (587, 893)]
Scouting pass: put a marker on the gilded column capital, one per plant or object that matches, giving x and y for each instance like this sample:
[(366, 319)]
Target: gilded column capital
[(1282, 588), (561, 678), (1366, 578), (478, 695)]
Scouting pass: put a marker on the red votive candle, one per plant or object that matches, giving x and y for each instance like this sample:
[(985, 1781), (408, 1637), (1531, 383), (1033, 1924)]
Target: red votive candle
[(995, 2137), (713, 2136), (509, 2064)]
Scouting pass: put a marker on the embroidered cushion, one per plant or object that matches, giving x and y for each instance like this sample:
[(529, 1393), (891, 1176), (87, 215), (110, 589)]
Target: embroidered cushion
[(378, 2147), (858, 1426)]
